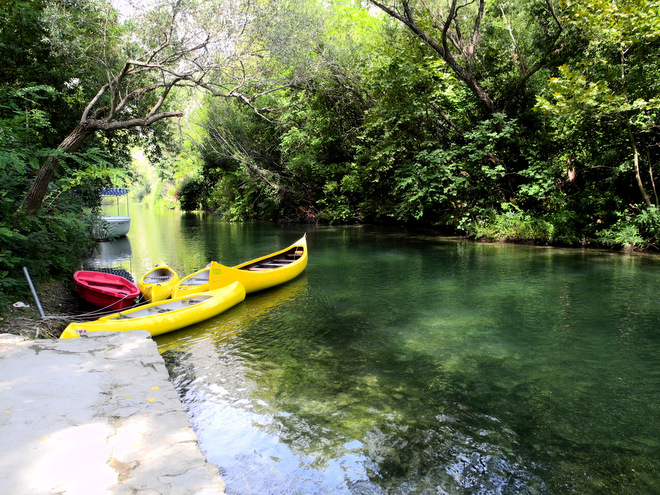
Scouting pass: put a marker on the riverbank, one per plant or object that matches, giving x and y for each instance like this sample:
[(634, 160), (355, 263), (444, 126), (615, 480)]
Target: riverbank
[(98, 415), (58, 300)]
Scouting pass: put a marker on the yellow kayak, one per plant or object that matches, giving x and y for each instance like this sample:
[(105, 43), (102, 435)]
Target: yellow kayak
[(157, 284), (195, 282), (258, 274), (164, 316)]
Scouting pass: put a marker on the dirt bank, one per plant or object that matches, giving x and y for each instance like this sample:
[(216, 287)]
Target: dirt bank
[(58, 301)]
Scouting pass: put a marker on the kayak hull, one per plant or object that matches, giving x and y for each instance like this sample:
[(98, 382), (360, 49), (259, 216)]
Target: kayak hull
[(105, 290), (157, 284), (255, 275), (164, 316)]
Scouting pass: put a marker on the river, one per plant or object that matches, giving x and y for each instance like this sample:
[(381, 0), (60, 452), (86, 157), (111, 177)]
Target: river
[(402, 363)]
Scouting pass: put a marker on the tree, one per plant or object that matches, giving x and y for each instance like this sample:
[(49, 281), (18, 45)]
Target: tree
[(454, 30), (177, 44), (614, 86), (314, 52)]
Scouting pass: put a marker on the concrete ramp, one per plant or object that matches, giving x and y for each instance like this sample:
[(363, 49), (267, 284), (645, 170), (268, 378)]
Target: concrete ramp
[(95, 415)]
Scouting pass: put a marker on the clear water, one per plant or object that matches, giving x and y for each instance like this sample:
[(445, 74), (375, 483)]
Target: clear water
[(406, 364)]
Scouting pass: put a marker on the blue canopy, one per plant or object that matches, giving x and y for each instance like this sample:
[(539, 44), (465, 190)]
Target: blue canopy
[(114, 191)]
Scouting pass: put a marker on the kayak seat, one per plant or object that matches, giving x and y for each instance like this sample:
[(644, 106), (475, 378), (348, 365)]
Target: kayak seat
[(159, 310)]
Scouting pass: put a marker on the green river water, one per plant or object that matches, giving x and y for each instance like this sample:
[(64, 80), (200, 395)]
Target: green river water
[(399, 363)]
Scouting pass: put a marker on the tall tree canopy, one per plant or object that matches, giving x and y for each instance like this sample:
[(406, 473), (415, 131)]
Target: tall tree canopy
[(176, 44), (459, 31), (615, 85), (493, 118)]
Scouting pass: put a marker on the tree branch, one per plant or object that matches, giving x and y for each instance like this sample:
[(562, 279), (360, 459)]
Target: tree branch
[(552, 47), (103, 125)]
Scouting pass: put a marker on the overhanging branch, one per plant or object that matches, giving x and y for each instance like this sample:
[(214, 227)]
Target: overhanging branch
[(102, 125)]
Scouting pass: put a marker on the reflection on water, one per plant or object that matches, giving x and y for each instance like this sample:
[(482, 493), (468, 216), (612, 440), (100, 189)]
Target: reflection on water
[(187, 242), (230, 323), (114, 253), (401, 364)]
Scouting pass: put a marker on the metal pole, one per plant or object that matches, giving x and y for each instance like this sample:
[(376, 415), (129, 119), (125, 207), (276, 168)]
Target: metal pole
[(34, 292)]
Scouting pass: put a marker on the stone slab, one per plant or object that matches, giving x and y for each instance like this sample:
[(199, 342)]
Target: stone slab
[(95, 415)]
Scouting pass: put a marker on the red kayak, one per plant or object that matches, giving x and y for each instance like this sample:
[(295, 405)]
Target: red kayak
[(105, 290)]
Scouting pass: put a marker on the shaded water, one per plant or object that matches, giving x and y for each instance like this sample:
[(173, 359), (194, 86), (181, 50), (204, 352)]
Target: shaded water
[(401, 364)]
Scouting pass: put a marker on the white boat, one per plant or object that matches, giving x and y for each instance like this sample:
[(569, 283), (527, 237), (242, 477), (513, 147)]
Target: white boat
[(111, 227)]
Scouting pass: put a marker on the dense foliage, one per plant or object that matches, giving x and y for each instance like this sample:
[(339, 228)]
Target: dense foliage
[(550, 136), (42, 93), (528, 120)]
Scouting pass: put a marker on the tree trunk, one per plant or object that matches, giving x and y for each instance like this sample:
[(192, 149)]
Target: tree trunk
[(638, 175), (35, 195), (462, 70)]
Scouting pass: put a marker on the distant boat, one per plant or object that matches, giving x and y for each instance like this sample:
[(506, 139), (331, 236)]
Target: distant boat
[(164, 316), (258, 274), (106, 290), (111, 227), (157, 284)]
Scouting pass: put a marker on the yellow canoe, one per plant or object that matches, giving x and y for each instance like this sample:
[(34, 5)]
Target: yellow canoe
[(158, 283), (164, 316), (258, 274)]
